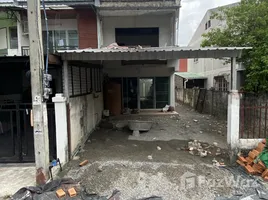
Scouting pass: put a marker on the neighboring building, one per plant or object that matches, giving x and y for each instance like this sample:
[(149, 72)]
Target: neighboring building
[(218, 72)]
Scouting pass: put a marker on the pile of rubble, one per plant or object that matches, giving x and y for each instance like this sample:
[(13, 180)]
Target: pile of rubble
[(254, 163), (201, 149)]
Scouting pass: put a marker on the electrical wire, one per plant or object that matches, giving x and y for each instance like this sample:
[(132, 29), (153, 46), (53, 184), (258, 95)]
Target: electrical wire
[(47, 45)]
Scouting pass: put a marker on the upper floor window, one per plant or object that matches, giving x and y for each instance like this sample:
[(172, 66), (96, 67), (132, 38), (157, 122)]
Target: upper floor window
[(146, 37), (13, 36), (208, 24), (62, 39)]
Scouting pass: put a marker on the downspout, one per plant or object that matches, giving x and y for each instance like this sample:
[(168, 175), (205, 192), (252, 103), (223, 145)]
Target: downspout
[(185, 82)]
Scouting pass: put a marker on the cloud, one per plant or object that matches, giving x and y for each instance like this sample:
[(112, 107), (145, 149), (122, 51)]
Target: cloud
[(192, 12)]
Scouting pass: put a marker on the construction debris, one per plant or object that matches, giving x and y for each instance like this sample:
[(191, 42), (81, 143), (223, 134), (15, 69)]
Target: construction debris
[(83, 163), (256, 161)]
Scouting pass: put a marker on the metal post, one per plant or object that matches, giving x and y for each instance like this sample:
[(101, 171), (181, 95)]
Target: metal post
[(41, 143)]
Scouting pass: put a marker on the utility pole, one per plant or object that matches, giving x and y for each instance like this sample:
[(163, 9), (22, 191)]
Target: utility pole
[(41, 142)]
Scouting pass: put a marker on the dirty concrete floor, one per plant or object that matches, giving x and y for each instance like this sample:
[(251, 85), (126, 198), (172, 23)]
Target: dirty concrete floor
[(15, 176), (139, 169)]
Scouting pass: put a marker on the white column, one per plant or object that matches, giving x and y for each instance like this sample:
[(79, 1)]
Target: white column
[(172, 90), (19, 33), (61, 127), (233, 113), (233, 119)]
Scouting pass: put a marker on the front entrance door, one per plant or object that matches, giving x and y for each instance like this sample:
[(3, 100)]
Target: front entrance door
[(147, 93)]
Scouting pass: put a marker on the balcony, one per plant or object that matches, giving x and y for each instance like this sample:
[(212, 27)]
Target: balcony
[(25, 50)]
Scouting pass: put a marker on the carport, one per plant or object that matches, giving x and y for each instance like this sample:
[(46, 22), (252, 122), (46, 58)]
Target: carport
[(153, 63)]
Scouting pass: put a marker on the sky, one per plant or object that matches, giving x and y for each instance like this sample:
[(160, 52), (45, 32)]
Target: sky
[(192, 12)]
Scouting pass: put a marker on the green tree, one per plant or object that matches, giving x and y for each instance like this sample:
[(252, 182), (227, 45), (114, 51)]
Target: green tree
[(246, 26)]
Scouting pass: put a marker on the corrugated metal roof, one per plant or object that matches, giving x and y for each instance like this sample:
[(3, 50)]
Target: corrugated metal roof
[(165, 53), (189, 75)]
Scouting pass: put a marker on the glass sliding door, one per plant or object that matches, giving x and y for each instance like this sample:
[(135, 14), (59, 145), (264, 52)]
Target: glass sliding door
[(162, 91), (146, 93)]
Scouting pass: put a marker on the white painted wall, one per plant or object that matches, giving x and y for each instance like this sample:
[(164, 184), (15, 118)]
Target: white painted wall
[(162, 21), (3, 38), (208, 67), (115, 69), (85, 114)]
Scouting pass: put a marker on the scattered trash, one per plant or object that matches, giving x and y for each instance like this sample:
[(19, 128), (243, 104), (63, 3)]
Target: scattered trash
[(150, 157), (76, 157), (203, 154), (100, 169), (187, 126), (85, 162), (215, 144), (58, 188), (195, 120), (89, 141), (201, 132), (165, 109), (158, 148)]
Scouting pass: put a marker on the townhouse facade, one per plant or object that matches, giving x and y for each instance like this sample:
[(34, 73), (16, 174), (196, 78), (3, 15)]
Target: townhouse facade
[(81, 26)]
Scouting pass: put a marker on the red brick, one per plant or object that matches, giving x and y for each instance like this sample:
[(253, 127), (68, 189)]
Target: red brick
[(242, 159), (241, 163), (60, 193), (250, 170), (260, 147), (72, 192), (262, 165), (265, 173), (249, 160), (87, 28), (265, 178), (253, 154), (258, 168)]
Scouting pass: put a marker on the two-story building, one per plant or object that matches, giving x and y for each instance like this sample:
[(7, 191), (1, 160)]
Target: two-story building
[(216, 71)]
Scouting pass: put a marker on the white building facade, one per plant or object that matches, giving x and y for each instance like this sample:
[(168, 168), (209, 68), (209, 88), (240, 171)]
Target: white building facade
[(217, 71)]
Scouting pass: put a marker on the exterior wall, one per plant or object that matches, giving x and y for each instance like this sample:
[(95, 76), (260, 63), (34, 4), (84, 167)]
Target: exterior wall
[(87, 26), (179, 82), (115, 69), (5, 24), (208, 67), (85, 114), (146, 21), (183, 65)]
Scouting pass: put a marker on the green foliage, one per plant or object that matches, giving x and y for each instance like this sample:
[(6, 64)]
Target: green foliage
[(246, 26)]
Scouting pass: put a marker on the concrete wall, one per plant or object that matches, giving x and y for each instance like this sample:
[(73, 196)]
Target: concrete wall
[(187, 96), (162, 21), (85, 114)]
